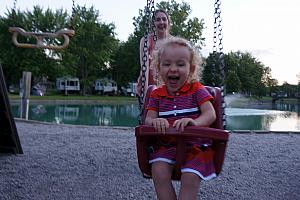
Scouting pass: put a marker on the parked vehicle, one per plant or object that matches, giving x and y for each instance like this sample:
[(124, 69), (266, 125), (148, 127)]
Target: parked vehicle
[(105, 86), (67, 85), (13, 89), (35, 91), (38, 90), (131, 89)]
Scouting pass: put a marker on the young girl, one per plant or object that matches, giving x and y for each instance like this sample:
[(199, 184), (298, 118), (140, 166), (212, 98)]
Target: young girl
[(179, 101)]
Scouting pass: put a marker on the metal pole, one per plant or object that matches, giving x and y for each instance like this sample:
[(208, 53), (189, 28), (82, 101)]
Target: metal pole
[(25, 86)]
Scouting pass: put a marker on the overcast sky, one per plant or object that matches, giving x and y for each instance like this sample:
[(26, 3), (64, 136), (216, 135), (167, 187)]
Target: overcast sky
[(268, 29)]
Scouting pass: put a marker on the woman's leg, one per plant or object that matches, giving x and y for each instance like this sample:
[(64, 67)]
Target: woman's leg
[(161, 175), (190, 184)]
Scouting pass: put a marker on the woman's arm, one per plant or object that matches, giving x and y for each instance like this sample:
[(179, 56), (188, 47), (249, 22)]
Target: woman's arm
[(139, 81), (142, 41)]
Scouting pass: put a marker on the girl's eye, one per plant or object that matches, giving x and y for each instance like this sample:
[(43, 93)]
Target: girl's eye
[(180, 64), (165, 64)]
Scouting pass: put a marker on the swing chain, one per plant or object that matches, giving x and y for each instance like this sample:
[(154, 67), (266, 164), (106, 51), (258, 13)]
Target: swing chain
[(145, 58), (218, 50), (72, 16), (153, 29), (15, 5), (14, 12)]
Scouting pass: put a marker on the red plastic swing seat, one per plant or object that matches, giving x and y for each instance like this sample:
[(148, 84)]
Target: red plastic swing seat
[(146, 137)]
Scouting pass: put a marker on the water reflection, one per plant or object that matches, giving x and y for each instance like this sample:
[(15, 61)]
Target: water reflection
[(66, 113), (255, 119), (286, 117), (286, 107), (103, 115)]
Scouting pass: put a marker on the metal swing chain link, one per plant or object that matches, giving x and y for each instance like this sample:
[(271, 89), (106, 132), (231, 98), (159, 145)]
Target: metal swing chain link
[(155, 38), (72, 26), (218, 50), (153, 29), (15, 5), (14, 12), (215, 40), (145, 58)]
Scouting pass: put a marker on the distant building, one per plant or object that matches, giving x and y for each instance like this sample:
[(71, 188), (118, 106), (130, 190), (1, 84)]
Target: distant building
[(130, 89), (67, 84), (105, 86)]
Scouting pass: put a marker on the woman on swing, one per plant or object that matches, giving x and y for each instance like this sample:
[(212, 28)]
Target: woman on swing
[(162, 25), (178, 102)]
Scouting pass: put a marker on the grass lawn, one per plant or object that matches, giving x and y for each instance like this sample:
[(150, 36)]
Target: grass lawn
[(77, 97), (106, 98)]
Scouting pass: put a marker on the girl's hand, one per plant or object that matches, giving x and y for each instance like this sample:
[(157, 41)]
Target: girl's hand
[(160, 124), (179, 124)]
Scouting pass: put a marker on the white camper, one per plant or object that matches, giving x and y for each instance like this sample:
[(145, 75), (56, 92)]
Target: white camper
[(131, 89), (67, 84), (105, 86)]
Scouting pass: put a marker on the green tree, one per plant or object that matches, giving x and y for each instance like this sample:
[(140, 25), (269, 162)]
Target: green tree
[(232, 82), (40, 62), (126, 67), (88, 56), (272, 86), (291, 90), (90, 53), (211, 73), (182, 24), (243, 73)]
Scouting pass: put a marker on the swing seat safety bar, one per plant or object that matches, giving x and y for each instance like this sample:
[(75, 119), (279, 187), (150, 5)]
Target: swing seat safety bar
[(40, 36), (145, 136)]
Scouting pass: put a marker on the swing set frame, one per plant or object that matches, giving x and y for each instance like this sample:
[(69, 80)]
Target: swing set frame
[(40, 37)]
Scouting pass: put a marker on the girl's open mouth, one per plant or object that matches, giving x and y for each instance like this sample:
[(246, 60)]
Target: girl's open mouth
[(173, 79)]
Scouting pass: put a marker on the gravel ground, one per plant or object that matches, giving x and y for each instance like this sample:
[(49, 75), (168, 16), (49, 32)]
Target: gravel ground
[(90, 162)]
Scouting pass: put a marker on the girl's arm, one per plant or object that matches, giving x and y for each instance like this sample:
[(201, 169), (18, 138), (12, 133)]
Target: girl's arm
[(160, 124), (142, 41), (207, 117)]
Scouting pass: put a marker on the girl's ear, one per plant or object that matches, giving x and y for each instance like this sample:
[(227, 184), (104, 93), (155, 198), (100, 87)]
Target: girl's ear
[(192, 69)]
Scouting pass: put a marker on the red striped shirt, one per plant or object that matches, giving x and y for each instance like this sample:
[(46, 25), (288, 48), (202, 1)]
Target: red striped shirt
[(186, 103)]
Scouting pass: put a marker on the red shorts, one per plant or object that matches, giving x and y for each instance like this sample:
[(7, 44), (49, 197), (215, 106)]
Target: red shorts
[(197, 161)]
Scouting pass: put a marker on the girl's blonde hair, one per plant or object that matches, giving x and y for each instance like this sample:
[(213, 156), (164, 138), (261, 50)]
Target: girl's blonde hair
[(196, 59)]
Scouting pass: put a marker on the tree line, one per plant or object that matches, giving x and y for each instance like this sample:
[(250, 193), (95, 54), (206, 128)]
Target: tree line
[(96, 52)]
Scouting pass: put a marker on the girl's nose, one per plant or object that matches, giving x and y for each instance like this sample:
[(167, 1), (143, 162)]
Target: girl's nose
[(173, 68)]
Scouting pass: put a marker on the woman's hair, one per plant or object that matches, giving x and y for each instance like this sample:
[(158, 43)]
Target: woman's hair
[(196, 59)]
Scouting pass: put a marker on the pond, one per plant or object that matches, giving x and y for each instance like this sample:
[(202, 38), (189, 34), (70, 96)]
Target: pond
[(280, 117)]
